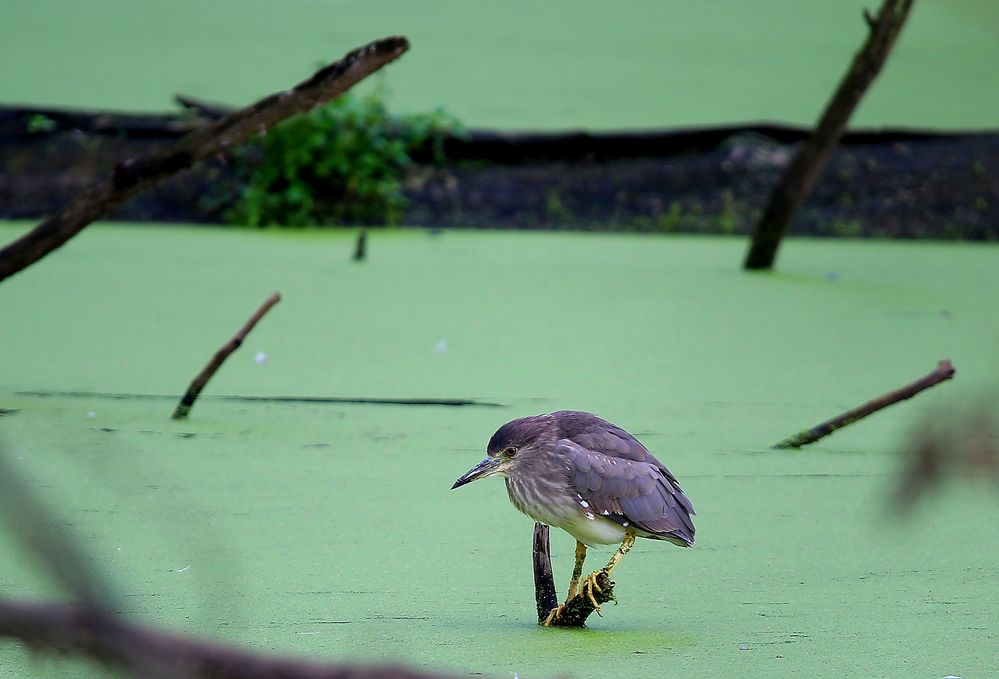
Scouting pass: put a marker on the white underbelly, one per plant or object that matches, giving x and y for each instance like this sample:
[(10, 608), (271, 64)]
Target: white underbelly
[(596, 531), (588, 527)]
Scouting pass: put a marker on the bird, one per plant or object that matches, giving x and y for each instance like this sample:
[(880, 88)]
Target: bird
[(573, 470)]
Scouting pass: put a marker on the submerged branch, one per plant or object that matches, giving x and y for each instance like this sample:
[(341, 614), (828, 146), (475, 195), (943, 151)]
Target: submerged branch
[(361, 400)]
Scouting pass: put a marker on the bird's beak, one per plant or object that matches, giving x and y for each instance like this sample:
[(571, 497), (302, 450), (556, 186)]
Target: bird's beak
[(488, 466)]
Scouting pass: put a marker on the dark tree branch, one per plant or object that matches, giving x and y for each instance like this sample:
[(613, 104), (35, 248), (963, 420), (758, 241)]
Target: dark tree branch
[(199, 382), (804, 169), (137, 174), (361, 245), (578, 608), (204, 108), (544, 581), (77, 630), (944, 371)]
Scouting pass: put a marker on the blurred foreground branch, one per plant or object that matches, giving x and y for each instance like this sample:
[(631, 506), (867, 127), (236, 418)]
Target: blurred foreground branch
[(199, 382), (804, 169), (578, 608), (75, 629), (90, 628), (137, 174), (967, 444), (944, 371)]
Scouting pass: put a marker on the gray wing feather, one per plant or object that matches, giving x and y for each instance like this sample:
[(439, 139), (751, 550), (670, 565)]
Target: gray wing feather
[(625, 483)]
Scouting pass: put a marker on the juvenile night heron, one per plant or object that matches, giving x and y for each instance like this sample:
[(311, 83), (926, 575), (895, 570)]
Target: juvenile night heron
[(578, 472)]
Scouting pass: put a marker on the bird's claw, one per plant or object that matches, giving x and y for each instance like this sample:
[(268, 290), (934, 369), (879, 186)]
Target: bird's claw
[(554, 614), (589, 585)]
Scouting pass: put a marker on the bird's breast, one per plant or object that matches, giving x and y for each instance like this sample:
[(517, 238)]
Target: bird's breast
[(555, 505)]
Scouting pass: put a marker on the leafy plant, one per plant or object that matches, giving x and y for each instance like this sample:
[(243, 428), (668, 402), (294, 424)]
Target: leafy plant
[(342, 163)]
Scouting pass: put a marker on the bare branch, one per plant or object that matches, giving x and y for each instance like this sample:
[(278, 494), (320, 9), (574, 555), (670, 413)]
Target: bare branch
[(137, 174), (803, 171), (944, 371), (199, 382)]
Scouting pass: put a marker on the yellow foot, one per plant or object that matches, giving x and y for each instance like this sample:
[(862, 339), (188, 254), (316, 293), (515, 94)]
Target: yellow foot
[(588, 586), (554, 614)]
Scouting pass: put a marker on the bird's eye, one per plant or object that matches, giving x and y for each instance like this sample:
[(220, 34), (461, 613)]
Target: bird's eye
[(510, 452)]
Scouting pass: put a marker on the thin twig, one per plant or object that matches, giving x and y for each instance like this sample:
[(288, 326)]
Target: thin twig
[(199, 382), (944, 371), (137, 174)]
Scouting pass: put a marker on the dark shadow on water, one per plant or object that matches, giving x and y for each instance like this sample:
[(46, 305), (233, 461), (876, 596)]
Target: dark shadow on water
[(450, 402)]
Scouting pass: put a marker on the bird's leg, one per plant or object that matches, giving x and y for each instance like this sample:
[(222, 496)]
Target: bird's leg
[(629, 540), (590, 583), (577, 570)]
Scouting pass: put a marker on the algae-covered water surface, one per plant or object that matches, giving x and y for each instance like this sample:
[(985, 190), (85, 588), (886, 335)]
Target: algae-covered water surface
[(516, 64), (329, 530)]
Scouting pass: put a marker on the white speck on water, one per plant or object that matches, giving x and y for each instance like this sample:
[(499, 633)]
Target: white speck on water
[(309, 633), (182, 570), (260, 358), (952, 676), (441, 346), (584, 503), (743, 647), (91, 414)]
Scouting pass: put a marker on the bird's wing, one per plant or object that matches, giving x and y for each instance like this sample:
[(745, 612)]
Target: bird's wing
[(594, 433), (641, 493)]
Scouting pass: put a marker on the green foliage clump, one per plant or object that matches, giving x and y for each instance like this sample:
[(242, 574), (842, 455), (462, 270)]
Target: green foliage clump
[(342, 163)]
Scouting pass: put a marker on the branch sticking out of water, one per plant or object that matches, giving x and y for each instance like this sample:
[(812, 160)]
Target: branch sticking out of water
[(578, 608), (137, 174), (199, 382), (944, 371)]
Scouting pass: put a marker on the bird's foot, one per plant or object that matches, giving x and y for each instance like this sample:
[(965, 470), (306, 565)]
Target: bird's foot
[(554, 614), (588, 586)]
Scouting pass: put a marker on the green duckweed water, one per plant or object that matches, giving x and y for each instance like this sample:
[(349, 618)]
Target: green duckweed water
[(516, 64), (329, 530)]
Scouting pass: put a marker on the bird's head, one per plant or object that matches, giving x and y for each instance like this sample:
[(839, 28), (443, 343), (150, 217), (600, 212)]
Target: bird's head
[(514, 446)]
